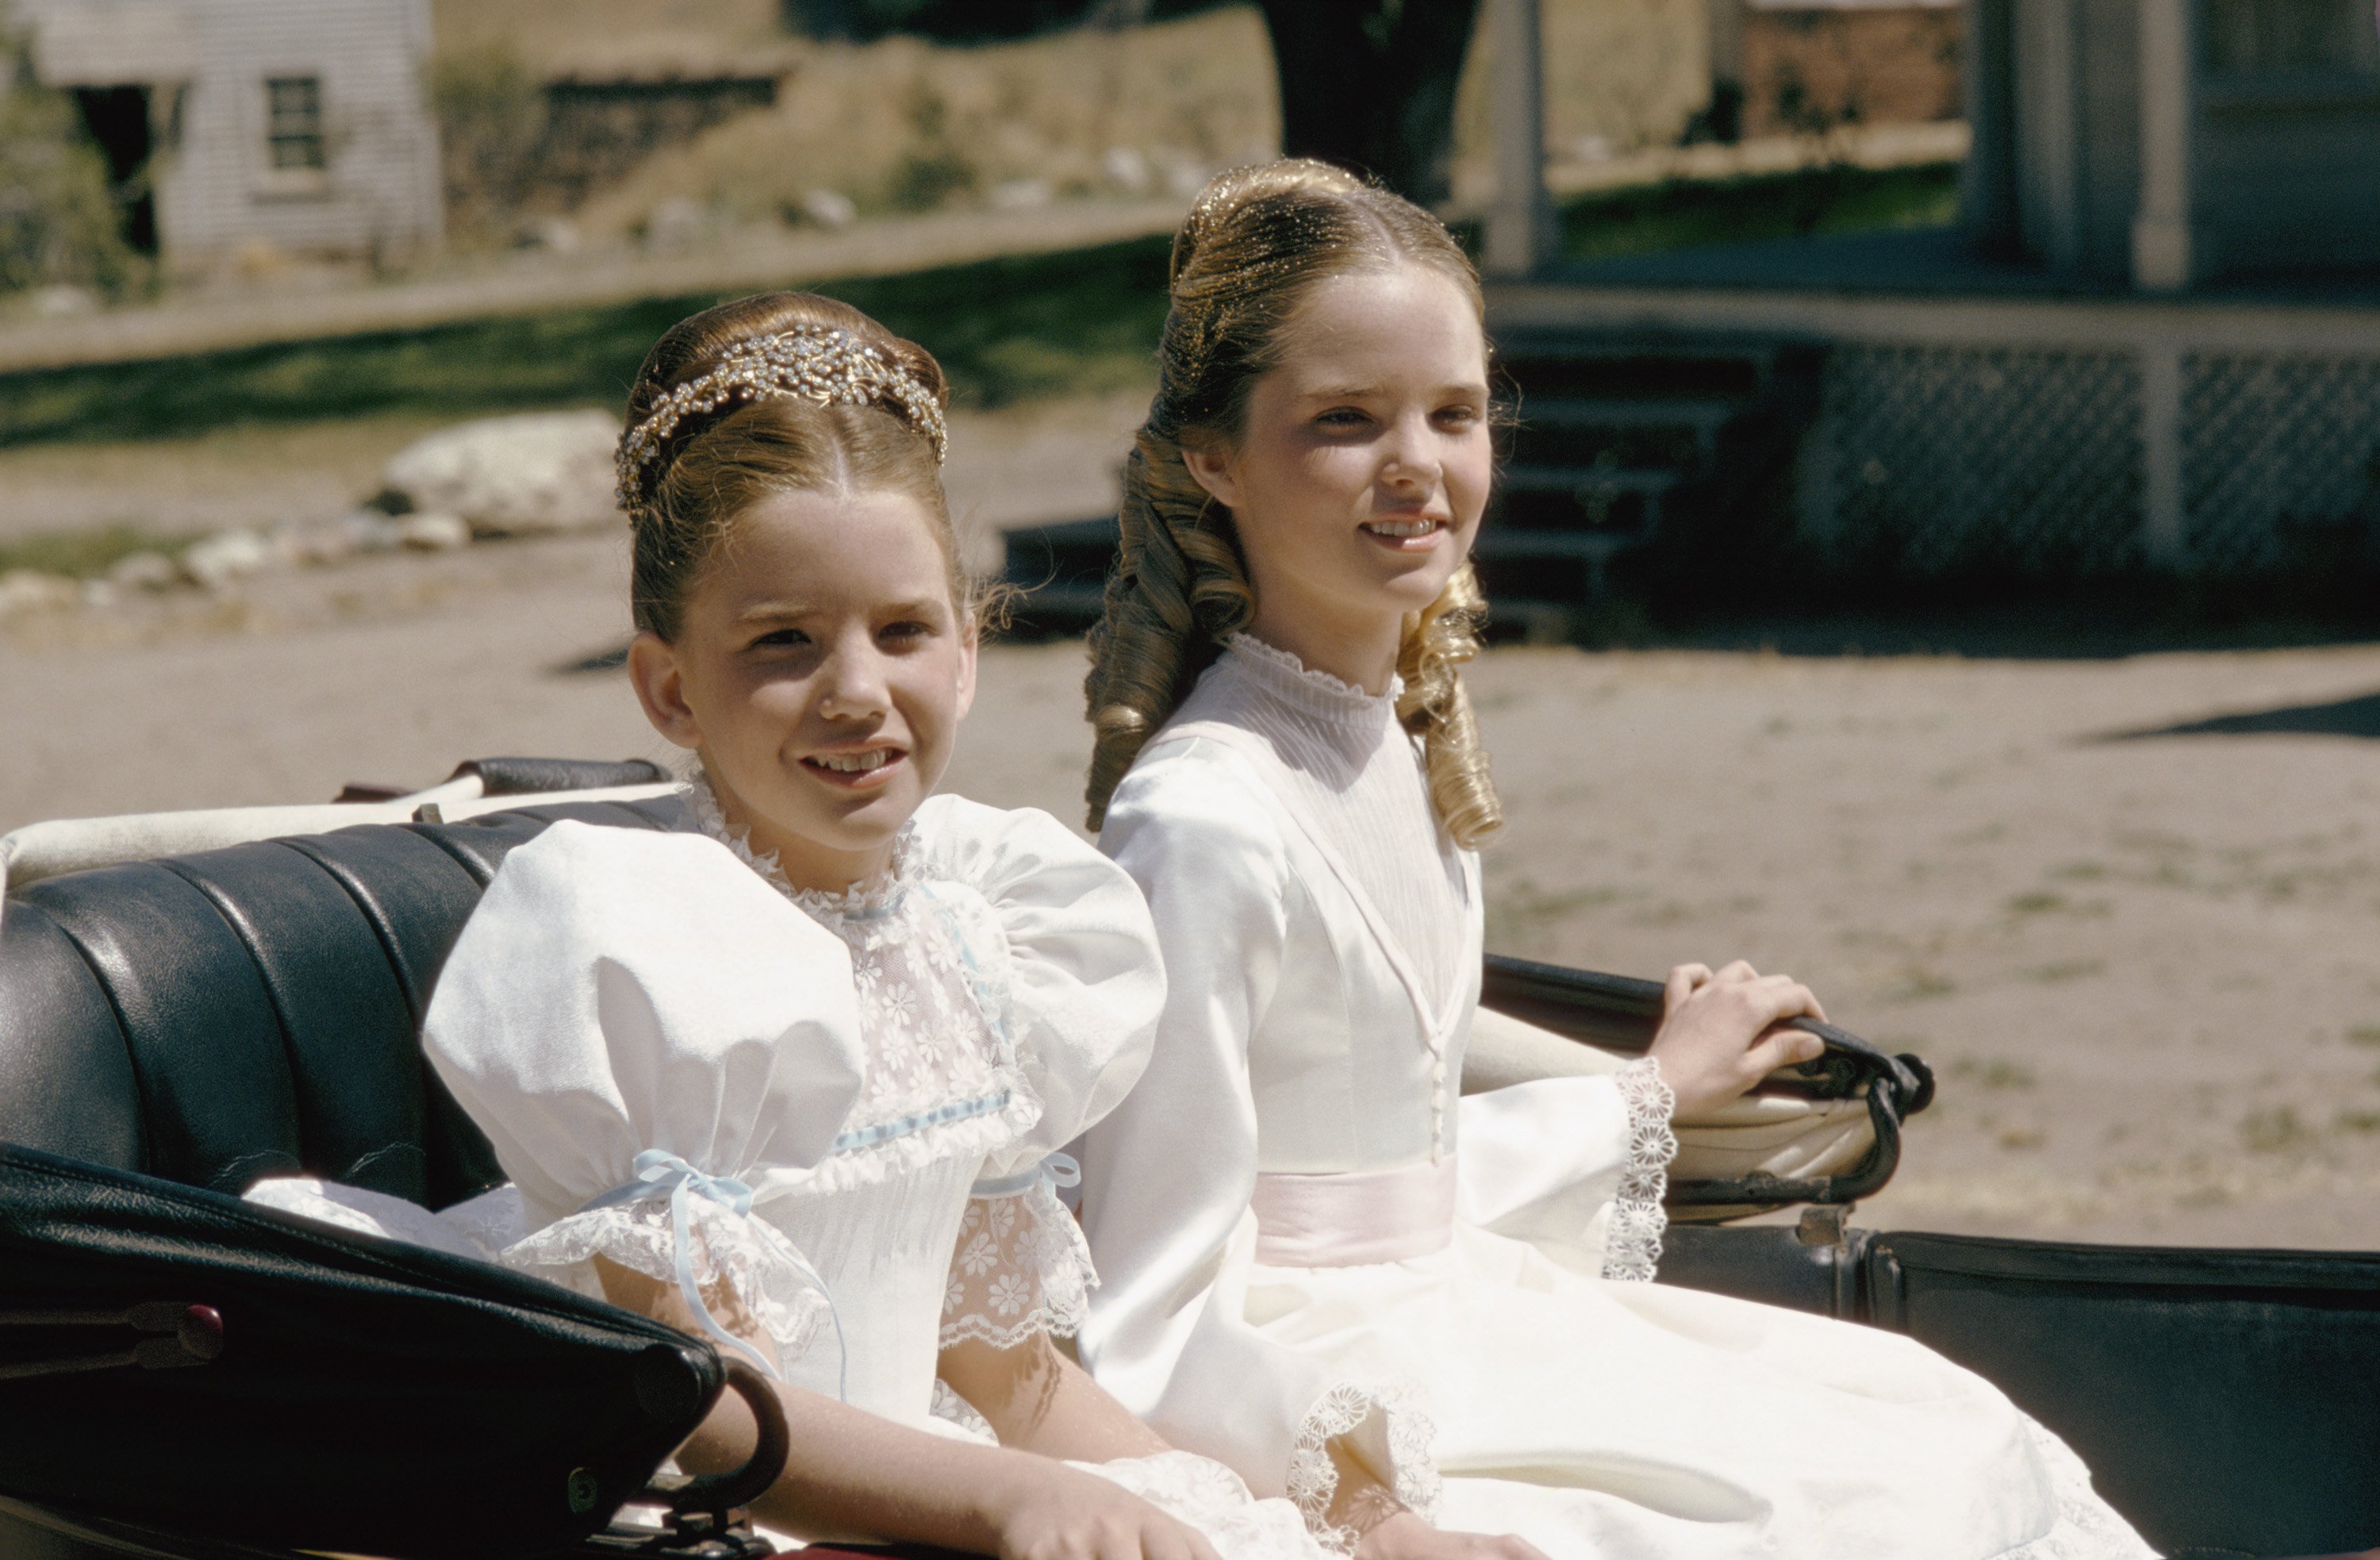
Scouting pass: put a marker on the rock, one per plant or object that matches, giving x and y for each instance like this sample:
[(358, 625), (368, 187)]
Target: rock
[(674, 223), (1125, 168), (537, 473), (26, 590), (143, 571), (99, 593), (433, 532), (558, 235), (225, 556), (1022, 194), (63, 302), (830, 208)]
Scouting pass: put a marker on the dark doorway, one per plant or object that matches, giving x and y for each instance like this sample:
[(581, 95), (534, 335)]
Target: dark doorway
[(118, 118)]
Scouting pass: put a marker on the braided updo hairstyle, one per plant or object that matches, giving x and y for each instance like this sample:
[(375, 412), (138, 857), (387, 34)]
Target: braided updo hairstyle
[(682, 501), (1255, 244)]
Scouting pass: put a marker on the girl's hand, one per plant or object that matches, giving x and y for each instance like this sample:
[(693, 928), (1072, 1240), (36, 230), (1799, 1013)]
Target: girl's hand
[(1721, 1033), (1406, 1537), (1060, 1513)]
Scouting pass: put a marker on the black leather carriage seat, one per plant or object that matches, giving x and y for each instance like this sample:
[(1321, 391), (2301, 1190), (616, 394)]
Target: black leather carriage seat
[(220, 1016)]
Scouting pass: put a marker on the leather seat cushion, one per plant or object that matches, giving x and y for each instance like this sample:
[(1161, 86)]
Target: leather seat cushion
[(216, 1018)]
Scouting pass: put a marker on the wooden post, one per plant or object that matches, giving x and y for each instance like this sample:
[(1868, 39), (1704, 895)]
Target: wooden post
[(1520, 223), (2165, 256)]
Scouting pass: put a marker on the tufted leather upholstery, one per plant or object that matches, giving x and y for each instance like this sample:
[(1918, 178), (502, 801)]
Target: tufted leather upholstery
[(217, 1018)]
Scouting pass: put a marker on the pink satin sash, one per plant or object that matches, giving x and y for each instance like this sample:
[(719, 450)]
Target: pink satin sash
[(1354, 1217)]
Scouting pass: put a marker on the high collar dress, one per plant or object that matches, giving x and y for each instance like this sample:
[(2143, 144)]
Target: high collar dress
[(1306, 1233), (886, 1072)]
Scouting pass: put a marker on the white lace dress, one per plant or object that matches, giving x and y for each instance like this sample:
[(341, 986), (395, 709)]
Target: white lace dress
[(1305, 1230), (841, 1107)]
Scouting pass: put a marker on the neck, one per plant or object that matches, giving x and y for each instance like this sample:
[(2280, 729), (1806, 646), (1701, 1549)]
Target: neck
[(1357, 648), (807, 863)]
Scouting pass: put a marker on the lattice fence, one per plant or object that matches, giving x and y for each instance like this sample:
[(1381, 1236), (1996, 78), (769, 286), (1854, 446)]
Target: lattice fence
[(2273, 445), (1940, 460)]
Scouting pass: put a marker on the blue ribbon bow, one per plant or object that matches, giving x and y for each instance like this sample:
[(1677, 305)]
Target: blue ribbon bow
[(662, 1174), (1057, 1170)]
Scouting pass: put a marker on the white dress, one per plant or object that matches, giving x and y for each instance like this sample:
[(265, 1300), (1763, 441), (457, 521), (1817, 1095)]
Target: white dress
[(1304, 1231), (841, 1107)]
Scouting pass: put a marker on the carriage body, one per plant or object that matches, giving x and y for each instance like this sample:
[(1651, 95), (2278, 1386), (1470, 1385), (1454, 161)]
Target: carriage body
[(175, 1027)]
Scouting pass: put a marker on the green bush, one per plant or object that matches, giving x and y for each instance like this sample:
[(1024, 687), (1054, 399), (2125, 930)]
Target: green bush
[(57, 222)]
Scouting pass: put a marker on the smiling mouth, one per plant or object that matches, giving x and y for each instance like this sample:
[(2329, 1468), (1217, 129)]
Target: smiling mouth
[(1411, 533), (854, 771)]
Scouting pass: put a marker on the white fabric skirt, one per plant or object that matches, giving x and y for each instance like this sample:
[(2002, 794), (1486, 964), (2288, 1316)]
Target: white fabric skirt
[(1636, 1421)]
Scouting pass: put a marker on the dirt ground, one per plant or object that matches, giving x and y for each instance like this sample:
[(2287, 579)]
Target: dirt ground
[(2142, 963)]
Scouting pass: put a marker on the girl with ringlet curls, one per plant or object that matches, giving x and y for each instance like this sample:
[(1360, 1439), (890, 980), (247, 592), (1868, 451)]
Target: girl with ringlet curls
[(1425, 1317), (793, 1076)]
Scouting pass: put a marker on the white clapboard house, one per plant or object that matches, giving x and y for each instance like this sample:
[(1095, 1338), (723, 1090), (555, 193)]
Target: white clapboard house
[(295, 126)]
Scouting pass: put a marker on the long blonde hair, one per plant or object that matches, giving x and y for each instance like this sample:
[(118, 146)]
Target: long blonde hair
[(1254, 245)]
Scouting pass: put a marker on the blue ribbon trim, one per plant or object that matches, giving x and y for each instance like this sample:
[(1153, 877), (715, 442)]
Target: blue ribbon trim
[(1057, 1170), (662, 1174)]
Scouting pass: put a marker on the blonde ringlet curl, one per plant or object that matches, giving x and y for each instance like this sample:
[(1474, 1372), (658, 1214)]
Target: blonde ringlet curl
[(1256, 243)]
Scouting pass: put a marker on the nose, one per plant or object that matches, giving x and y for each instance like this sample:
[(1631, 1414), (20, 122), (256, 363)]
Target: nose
[(853, 685), (1410, 456)]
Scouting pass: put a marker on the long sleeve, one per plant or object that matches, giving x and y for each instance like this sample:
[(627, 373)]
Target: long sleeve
[(1168, 1176)]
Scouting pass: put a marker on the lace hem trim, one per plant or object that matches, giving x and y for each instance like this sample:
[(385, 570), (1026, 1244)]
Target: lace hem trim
[(756, 1262), (847, 913), (1631, 1246), (1314, 1478), (2086, 1527), (1319, 692), (1022, 1268)]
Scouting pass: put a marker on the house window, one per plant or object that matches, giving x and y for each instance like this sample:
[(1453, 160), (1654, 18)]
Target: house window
[(293, 129)]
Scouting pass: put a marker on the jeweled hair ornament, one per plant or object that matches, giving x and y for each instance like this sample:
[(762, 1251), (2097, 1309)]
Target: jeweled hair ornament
[(825, 364)]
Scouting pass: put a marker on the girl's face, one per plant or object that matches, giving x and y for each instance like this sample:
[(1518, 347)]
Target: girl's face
[(822, 670), (1358, 480)]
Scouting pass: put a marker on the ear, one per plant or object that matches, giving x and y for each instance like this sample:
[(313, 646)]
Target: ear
[(1210, 468), (660, 682), (970, 640)]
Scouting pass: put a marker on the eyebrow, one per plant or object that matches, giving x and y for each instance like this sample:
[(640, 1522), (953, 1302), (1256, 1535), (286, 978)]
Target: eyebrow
[(1358, 392)]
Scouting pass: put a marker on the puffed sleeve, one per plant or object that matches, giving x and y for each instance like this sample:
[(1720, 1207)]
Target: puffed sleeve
[(649, 1035), (1069, 957), (1168, 1176)]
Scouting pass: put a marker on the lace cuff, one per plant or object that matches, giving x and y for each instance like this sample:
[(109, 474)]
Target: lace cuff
[(1020, 1268), (745, 1254), (1390, 1435), (1632, 1244)]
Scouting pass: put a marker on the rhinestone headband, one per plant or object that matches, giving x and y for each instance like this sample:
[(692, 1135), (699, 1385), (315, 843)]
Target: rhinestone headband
[(824, 364)]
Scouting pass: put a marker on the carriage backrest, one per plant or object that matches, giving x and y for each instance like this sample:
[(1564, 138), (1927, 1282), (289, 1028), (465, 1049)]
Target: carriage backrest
[(214, 1018)]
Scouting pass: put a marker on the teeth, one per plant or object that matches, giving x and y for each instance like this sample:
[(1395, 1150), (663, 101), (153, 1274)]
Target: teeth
[(854, 764), (1402, 528)]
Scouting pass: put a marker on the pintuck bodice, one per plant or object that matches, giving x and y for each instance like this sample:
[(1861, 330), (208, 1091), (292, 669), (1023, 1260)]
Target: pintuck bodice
[(1354, 1063)]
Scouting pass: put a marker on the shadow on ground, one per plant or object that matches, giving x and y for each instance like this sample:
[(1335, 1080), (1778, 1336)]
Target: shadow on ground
[(2359, 716)]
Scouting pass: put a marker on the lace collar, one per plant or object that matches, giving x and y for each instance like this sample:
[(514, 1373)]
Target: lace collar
[(1287, 680), (875, 899)]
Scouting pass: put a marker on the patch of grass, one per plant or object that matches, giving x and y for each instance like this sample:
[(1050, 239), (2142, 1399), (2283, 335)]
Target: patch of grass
[(2357, 1121), (1997, 1073), (82, 555), (2364, 1034), (1918, 983), (2079, 871), (2272, 1129), (1081, 322), (1684, 214), (2035, 903), (2075, 970)]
